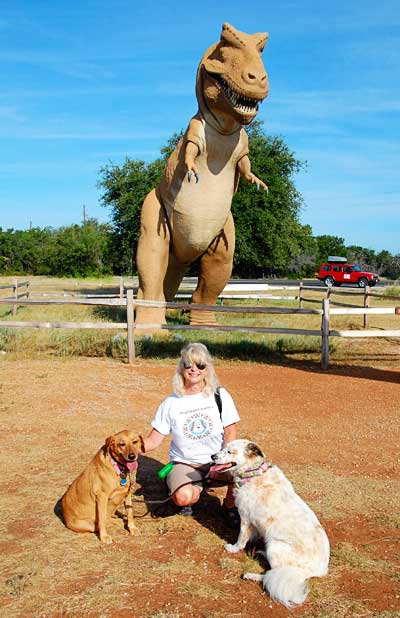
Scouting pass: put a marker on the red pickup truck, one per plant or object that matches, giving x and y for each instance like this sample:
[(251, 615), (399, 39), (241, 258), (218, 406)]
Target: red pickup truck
[(337, 271)]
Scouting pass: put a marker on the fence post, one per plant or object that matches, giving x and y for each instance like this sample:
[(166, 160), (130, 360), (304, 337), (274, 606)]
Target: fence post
[(121, 287), (300, 295), (131, 326), (28, 289), (325, 334), (15, 288), (366, 304)]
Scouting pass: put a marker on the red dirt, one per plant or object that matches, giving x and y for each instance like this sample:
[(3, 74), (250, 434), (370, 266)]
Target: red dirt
[(335, 434)]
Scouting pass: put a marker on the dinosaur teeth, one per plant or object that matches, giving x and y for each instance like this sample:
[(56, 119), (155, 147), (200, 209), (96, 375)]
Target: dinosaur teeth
[(243, 104)]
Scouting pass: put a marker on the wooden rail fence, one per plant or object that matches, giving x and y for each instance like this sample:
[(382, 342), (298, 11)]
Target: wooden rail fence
[(325, 332), (15, 287)]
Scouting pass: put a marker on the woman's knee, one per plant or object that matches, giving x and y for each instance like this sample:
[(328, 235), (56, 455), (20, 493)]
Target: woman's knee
[(187, 495)]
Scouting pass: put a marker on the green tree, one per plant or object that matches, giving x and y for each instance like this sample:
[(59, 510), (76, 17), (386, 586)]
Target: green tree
[(124, 190), (330, 245), (365, 258), (79, 250), (76, 250), (268, 234)]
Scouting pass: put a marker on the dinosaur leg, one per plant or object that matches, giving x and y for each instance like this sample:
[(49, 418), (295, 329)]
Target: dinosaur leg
[(152, 259), (173, 277), (214, 272)]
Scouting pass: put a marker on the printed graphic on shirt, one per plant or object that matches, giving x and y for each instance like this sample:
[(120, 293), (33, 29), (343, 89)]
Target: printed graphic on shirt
[(198, 426)]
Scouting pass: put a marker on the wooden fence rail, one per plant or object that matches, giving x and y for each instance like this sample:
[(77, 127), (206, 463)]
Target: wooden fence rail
[(130, 303), (15, 287)]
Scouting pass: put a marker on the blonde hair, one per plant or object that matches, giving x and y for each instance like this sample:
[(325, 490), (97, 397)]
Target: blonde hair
[(195, 353)]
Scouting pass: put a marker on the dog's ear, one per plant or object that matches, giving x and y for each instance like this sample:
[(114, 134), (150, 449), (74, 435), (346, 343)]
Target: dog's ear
[(252, 450), (109, 443)]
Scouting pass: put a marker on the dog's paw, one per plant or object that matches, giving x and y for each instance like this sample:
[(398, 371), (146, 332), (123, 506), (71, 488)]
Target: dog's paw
[(254, 577), (107, 539), (232, 549), (133, 531)]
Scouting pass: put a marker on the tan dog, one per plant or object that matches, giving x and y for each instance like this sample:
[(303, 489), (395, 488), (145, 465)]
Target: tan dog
[(94, 496)]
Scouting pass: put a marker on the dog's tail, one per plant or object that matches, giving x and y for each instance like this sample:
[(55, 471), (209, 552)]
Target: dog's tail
[(287, 585)]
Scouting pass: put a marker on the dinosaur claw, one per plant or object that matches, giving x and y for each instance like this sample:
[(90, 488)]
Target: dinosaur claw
[(258, 186), (197, 176), (267, 190), (189, 175)]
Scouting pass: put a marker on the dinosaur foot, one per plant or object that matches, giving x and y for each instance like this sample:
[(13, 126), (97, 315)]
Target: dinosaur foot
[(149, 332), (202, 318)]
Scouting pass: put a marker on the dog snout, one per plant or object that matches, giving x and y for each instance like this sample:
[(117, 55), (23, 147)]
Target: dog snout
[(132, 456), (215, 456)]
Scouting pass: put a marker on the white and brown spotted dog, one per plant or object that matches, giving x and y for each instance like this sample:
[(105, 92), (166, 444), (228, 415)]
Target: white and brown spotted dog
[(296, 545)]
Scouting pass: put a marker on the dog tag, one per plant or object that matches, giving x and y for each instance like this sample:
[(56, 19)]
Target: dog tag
[(123, 481)]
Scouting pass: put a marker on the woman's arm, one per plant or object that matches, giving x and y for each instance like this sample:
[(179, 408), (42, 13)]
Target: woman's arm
[(153, 440), (230, 433)]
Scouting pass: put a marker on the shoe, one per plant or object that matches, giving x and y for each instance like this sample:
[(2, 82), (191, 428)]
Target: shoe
[(231, 516), (186, 511)]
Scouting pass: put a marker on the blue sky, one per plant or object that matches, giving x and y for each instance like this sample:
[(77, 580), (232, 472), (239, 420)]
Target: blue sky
[(87, 83)]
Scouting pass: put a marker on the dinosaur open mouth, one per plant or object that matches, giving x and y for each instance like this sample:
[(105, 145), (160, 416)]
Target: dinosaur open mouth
[(246, 105)]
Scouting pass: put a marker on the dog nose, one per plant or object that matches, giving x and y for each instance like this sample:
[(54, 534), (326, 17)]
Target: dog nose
[(132, 456), (214, 457)]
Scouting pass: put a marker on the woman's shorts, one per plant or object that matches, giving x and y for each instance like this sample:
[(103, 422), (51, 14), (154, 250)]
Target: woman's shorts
[(182, 474)]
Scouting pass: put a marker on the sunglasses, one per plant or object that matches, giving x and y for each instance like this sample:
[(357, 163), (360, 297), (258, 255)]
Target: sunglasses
[(188, 365)]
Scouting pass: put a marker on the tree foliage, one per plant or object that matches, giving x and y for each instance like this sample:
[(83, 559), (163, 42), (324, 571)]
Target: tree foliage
[(268, 234), (75, 250), (124, 190)]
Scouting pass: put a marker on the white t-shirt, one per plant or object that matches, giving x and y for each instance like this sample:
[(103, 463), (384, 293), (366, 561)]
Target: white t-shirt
[(195, 424)]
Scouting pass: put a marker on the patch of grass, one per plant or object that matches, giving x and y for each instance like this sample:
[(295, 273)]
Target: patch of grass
[(340, 496), (336, 606), (202, 590), (205, 539), (174, 566), (162, 614), (348, 556), (394, 290)]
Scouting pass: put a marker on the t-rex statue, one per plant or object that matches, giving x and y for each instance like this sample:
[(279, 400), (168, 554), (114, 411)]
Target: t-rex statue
[(188, 217)]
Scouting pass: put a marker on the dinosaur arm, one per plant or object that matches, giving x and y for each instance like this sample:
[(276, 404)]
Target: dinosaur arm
[(244, 168), (191, 152), (193, 147)]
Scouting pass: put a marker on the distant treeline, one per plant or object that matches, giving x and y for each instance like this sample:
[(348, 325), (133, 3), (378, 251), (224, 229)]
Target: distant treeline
[(270, 240), (72, 251), (91, 249)]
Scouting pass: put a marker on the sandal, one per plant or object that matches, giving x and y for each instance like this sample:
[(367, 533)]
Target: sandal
[(232, 516)]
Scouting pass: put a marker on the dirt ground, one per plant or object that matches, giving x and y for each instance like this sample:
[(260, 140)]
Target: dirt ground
[(334, 433)]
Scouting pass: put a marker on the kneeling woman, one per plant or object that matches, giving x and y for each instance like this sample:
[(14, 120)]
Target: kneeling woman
[(197, 428)]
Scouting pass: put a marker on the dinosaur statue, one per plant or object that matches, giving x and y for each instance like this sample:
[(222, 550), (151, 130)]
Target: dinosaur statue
[(188, 217)]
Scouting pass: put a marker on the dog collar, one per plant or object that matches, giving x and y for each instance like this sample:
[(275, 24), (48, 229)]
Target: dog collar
[(249, 474), (122, 470)]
